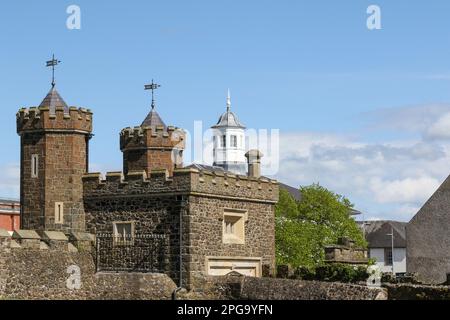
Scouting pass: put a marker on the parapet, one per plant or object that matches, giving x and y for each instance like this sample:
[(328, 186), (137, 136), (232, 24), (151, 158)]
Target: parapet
[(147, 137), (46, 240), (185, 181), (346, 252), (40, 119)]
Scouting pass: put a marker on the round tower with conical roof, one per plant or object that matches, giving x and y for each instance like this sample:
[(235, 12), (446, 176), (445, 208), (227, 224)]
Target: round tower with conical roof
[(54, 157), (229, 142)]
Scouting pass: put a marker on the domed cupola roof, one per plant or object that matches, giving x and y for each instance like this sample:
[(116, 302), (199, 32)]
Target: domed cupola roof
[(228, 119)]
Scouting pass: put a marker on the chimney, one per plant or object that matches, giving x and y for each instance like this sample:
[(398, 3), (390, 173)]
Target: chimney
[(254, 163)]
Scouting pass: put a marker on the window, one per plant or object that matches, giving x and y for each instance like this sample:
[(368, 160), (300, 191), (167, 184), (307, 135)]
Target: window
[(224, 141), (123, 233), (234, 141), (34, 165), (388, 257), (59, 212), (230, 225), (234, 226)]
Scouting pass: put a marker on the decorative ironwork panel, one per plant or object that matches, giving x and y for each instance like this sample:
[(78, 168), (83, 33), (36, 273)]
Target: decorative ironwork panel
[(132, 253)]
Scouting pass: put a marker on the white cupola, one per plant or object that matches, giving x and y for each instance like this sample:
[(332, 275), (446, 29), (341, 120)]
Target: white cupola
[(229, 142)]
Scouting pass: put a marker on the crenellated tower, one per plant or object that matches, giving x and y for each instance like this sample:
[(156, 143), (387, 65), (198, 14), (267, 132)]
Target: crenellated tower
[(152, 145), (54, 157)]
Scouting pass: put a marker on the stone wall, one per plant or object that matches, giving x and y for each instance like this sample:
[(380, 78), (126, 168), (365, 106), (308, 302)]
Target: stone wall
[(286, 289), (206, 231), (346, 252), (43, 274), (238, 287), (417, 292), (155, 204), (152, 148), (150, 215), (60, 141)]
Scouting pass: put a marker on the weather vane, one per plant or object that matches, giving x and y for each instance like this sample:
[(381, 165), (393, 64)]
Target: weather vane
[(52, 63), (153, 86)]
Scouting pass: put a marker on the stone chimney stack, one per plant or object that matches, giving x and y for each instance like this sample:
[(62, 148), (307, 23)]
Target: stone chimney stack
[(254, 163)]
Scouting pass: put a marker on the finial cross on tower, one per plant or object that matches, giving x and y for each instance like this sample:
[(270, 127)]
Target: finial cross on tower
[(53, 63), (153, 86)]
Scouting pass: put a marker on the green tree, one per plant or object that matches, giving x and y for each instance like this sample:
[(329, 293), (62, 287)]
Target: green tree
[(298, 243), (287, 206), (319, 219)]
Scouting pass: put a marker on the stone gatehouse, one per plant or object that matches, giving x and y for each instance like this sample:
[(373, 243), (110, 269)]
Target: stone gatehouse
[(214, 221)]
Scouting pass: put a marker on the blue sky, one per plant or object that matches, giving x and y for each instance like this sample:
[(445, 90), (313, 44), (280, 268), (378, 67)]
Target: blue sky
[(362, 112)]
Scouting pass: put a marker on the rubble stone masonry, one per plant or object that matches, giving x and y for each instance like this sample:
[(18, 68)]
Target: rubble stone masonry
[(155, 204), (60, 143)]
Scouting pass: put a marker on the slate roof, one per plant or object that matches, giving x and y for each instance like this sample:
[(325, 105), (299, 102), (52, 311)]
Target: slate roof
[(9, 200), (294, 192), (53, 100), (153, 120), (205, 167), (228, 120), (297, 195), (376, 233)]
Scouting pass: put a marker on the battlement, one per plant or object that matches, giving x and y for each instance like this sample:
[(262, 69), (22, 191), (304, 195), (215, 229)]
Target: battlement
[(41, 119), (148, 137), (46, 240), (183, 182)]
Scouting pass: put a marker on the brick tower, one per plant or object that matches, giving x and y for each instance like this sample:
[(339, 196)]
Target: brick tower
[(152, 145), (54, 157)]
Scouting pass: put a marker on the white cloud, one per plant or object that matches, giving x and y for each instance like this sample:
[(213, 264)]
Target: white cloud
[(440, 129), (409, 190), (388, 180), (415, 118)]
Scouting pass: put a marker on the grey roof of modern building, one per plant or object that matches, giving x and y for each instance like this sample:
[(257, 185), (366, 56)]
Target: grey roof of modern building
[(377, 233), (294, 192), (53, 100), (297, 195), (153, 120), (9, 200), (229, 120), (205, 167)]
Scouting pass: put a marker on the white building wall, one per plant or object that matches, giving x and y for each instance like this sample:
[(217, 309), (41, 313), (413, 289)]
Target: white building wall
[(399, 259)]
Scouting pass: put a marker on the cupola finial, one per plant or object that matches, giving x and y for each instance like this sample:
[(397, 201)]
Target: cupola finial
[(228, 101)]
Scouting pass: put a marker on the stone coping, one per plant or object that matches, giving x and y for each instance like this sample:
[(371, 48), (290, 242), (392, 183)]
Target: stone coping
[(343, 261), (47, 235), (131, 131), (343, 247), (81, 236), (4, 234), (60, 109), (53, 235), (142, 175), (26, 234)]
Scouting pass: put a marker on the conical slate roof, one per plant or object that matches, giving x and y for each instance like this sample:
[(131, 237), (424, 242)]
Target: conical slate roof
[(153, 120), (53, 100)]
